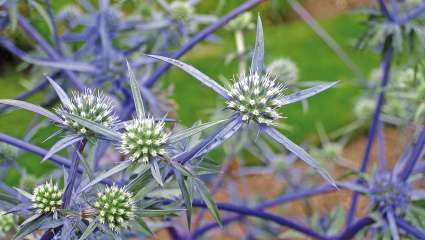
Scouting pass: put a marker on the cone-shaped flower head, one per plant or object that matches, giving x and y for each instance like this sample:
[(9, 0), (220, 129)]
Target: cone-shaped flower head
[(47, 198), (256, 97), (90, 105), (144, 139), (364, 108), (284, 69), (181, 10), (7, 152), (242, 22), (115, 207), (7, 223)]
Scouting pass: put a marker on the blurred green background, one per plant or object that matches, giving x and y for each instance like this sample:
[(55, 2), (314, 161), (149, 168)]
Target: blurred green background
[(285, 36)]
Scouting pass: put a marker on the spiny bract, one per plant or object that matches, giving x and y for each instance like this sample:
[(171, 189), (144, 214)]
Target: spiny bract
[(116, 207), (90, 105), (256, 97), (144, 139), (47, 198)]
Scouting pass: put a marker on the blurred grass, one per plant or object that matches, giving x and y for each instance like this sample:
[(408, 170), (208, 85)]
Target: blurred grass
[(294, 40)]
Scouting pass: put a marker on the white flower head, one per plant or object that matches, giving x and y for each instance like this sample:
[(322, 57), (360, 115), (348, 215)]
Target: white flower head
[(364, 108), (115, 207), (47, 198), (90, 105), (144, 139), (284, 69), (182, 10), (240, 23), (256, 97), (8, 222)]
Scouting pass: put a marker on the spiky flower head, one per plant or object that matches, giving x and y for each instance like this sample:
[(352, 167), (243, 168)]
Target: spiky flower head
[(7, 152), (242, 22), (181, 10), (388, 193), (284, 69), (47, 198), (256, 97), (7, 223), (90, 105), (364, 108), (115, 207), (144, 139)]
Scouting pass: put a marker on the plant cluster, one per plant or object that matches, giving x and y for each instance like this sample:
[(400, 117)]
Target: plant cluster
[(161, 170)]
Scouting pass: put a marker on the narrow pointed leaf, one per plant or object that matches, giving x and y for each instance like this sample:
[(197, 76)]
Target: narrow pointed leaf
[(297, 150), (89, 230), (192, 131), (144, 227), (118, 168), (257, 61), (208, 199), (187, 198), (61, 144), (157, 212), (24, 193), (393, 226), (96, 127), (35, 223), (156, 172), (60, 92), (135, 90), (31, 107), (204, 79), (306, 93)]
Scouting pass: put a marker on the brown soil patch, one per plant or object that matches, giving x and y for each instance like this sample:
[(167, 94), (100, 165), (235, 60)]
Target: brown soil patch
[(269, 187)]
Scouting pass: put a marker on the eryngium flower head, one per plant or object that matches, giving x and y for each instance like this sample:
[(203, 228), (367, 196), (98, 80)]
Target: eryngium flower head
[(7, 223), (7, 152), (364, 107), (90, 105), (388, 193), (181, 10), (284, 69), (47, 198), (256, 97), (242, 22), (116, 207), (144, 139)]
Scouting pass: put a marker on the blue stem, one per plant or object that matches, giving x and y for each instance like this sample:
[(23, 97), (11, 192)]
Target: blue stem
[(413, 14), (409, 229), (262, 215), (386, 67), (418, 147)]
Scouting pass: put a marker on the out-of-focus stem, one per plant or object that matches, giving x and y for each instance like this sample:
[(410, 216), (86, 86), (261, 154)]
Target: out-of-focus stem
[(240, 49), (386, 67), (417, 150)]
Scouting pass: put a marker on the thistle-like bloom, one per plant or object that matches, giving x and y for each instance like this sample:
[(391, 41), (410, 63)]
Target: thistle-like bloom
[(47, 198), (7, 152), (90, 105), (181, 10), (285, 70), (364, 108), (144, 139), (115, 207), (256, 97), (242, 22), (7, 223), (388, 193)]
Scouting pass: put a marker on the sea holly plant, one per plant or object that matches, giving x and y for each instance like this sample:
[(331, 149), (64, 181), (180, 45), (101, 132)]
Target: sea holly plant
[(255, 99), (147, 144), (89, 105)]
